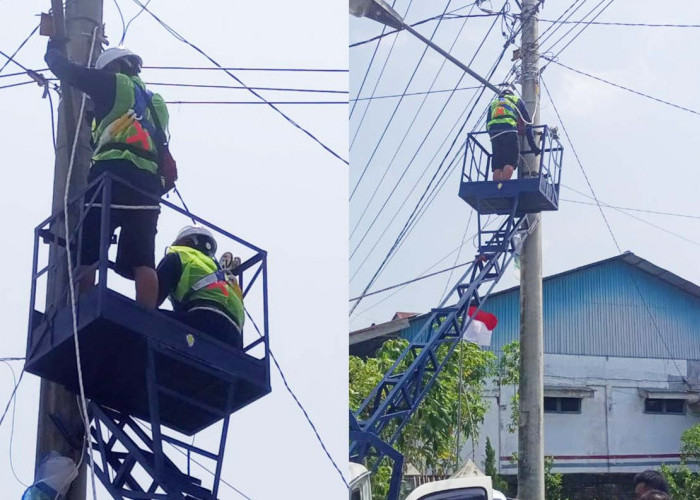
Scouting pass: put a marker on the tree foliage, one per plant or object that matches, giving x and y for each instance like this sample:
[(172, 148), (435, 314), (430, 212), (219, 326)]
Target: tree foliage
[(448, 417), (683, 481)]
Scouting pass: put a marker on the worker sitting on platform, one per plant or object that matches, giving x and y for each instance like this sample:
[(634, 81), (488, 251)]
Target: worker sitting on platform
[(505, 113), (203, 294), (129, 122)]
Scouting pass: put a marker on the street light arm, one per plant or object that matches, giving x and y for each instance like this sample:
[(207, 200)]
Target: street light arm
[(380, 11)]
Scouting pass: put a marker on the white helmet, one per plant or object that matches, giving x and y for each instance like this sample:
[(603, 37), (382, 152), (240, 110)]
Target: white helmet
[(202, 238), (114, 53)]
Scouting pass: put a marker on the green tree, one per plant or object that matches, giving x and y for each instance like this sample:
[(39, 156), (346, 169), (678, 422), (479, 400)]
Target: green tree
[(490, 468), (682, 480), (450, 414), (508, 373), (553, 481)]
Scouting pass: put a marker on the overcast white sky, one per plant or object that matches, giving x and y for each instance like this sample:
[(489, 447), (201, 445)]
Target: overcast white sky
[(242, 167), (637, 153)]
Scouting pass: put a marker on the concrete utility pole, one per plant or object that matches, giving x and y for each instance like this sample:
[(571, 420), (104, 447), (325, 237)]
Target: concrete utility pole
[(531, 423), (56, 402)]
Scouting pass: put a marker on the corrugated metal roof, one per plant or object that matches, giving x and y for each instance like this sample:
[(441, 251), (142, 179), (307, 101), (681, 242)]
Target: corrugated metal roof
[(597, 310)]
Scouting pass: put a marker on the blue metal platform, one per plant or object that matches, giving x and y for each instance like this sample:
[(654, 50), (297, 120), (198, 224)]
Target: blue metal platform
[(526, 194), (142, 367)]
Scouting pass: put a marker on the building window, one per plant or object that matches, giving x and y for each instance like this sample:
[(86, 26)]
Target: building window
[(562, 405), (672, 406)]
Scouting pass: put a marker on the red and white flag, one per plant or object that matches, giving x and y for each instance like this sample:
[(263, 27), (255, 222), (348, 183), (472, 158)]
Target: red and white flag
[(480, 329)]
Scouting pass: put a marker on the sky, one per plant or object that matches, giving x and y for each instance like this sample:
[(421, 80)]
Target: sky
[(636, 152), (242, 167)]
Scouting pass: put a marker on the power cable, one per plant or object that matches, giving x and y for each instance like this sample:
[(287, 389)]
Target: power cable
[(459, 253), (221, 68), (301, 407), (409, 128), (241, 87), (414, 280), (376, 83), (71, 283), (16, 84), (422, 143), (149, 429), (20, 73), (280, 103), (646, 25), (12, 429), (396, 108), (587, 24), (407, 94), (626, 209), (662, 101), (121, 17), (578, 161), (544, 36), (407, 226), (126, 28), (369, 66), (440, 17), (643, 221), (12, 396), (619, 249), (179, 37), (11, 58)]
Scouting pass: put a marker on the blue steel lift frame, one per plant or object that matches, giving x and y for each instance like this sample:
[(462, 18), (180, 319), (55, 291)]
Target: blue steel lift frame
[(179, 377), (377, 423)]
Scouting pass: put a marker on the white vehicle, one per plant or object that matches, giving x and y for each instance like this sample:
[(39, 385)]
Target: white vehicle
[(462, 488), (360, 488)]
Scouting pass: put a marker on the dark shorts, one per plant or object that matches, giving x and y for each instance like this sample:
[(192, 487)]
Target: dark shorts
[(138, 226), (506, 150), (215, 324)]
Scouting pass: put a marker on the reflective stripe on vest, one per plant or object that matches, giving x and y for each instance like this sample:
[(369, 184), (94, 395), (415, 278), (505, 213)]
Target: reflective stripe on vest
[(122, 134), (503, 110), (202, 280)]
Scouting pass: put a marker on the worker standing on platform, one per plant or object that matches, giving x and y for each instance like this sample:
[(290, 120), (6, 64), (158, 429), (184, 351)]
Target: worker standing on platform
[(505, 113), (202, 294), (128, 135)]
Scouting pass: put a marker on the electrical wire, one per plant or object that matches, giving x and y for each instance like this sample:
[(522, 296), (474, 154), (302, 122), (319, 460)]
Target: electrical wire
[(626, 209), (646, 25), (544, 36), (408, 94), (16, 84), (11, 58), (662, 101), (409, 225), (12, 429), (126, 28), (367, 203), (222, 68), (612, 234), (280, 103), (179, 37), (301, 407), (121, 17), (439, 17), (71, 283), (149, 429), (587, 24), (395, 110), (376, 83), (422, 143), (241, 87), (12, 396), (414, 280), (369, 66)]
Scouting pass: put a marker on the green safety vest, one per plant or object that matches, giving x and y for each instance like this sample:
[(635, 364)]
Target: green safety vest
[(195, 267), (503, 110), (119, 136)]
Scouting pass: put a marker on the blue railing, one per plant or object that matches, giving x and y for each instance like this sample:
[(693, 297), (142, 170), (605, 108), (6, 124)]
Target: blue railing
[(251, 273)]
